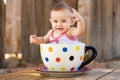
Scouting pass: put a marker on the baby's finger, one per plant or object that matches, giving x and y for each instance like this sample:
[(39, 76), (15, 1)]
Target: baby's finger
[(74, 11), (33, 36), (33, 40), (72, 15)]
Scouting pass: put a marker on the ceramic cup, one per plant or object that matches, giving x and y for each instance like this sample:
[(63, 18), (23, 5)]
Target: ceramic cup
[(65, 57)]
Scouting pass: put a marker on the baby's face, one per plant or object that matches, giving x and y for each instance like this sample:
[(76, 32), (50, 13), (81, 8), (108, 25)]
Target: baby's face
[(61, 20)]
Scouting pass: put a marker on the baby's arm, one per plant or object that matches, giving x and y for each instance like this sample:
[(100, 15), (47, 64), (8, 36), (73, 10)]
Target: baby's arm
[(80, 24), (38, 40)]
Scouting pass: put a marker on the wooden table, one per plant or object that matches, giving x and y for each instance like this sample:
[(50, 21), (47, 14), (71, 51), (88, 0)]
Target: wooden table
[(94, 74)]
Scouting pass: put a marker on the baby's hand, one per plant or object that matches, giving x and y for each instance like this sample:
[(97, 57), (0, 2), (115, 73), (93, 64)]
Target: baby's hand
[(33, 39), (76, 15)]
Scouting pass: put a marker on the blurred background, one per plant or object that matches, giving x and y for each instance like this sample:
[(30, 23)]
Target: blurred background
[(21, 18)]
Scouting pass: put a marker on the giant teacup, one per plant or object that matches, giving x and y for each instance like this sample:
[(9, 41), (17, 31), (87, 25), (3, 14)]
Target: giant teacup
[(65, 57)]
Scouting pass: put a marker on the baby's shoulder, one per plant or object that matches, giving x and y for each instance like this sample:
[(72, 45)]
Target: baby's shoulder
[(72, 28), (50, 31)]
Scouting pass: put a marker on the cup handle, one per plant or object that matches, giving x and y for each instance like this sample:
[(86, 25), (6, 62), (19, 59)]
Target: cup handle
[(94, 54)]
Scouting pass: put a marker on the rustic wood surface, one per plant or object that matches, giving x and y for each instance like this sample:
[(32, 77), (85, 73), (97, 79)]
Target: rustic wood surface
[(94, 74)]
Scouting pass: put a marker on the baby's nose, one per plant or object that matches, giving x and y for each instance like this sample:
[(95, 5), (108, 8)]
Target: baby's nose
[(59, 23)]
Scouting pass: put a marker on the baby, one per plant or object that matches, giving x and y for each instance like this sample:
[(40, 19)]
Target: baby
[(62, 17)]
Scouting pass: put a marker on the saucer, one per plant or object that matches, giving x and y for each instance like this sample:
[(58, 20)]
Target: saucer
[(44, 71)]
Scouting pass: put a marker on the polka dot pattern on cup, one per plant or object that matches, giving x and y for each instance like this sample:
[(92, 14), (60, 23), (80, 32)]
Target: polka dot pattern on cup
[(46, 59), (71, 58), (65, 50), (72, 69), (58, 59), (63, 68), (50, 49), (52, 68), (41, 49), (77, 48), (81, 58)]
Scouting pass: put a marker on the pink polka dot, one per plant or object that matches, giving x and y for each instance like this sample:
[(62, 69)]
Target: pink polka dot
[(72, 69)]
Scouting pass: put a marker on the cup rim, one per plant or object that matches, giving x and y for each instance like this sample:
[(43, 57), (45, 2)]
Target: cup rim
[(63, 43)]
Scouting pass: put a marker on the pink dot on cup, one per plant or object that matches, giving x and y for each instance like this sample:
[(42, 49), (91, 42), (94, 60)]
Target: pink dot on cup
[(72, 69), (58, 59)]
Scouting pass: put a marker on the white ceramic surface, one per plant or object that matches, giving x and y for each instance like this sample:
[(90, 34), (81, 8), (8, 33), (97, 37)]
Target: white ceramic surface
[(62, 57)]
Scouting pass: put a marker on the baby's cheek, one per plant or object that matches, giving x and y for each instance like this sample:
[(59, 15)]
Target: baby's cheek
[(64, 24), (67, 24)]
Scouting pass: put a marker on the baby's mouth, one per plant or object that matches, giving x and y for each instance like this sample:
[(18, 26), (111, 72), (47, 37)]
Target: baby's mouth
[(60, 29)]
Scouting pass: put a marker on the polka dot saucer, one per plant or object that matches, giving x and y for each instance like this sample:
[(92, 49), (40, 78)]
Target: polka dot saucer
[(44, 71)]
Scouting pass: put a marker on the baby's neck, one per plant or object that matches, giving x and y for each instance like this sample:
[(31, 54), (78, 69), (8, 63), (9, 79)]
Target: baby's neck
[(56, 34)]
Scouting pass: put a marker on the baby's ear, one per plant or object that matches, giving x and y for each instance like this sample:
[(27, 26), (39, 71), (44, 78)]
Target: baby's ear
[(72, 21)]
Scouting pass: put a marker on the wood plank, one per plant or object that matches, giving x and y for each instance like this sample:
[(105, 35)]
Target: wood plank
[(13, 26), (22, 75), (94, 24), (112, 76), (71, 3), (42, 12), (106, 27), (2, 26), (94, 74), (30, 52), (116, 29), (84, 11)]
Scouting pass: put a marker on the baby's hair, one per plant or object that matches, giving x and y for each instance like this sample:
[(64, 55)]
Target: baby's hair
[(60, 6)]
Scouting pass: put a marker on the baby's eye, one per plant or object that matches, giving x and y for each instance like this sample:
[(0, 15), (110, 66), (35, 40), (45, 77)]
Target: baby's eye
[(55, 21), (64, 21)]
